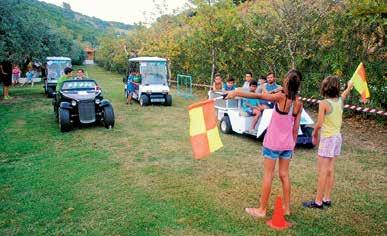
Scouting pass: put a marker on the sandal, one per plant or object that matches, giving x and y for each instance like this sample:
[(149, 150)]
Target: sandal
[(327, 203), (313, 204), (255, 213)]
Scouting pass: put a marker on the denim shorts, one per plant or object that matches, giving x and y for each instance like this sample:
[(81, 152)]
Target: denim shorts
[(274, 155), (250, 111)]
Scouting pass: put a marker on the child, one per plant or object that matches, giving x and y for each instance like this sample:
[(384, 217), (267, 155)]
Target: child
[(15, 75), (329, 121), (261, 83), (218, 83), (29, 76), (280, 138), (251, 105), (229, 86), (248, 79), (130, 88)]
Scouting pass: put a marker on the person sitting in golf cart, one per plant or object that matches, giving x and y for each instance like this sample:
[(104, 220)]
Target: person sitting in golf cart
[(137, 78), (218, 83), (252, 105), (81, 74), (270, 87), (229, 86), (67, 76)]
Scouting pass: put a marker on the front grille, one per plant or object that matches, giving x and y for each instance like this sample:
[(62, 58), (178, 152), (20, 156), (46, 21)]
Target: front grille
[(86, 111)]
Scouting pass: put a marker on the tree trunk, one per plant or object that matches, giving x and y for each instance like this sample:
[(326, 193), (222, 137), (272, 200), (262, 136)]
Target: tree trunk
[(213, 66)]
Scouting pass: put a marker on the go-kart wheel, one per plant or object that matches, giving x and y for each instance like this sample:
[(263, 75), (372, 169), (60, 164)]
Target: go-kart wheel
[(64, 120), (144, 100), (168, 100), (225, 125), (108, 117), (50, 92)]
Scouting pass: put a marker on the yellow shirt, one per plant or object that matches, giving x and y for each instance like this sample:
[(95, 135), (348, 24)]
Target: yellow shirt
[(332, 120)]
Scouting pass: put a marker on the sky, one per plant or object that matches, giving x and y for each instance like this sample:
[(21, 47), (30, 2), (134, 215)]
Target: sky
[(126, 11)]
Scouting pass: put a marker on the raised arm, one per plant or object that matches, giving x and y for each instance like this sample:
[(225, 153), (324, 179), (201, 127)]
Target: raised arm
[(270, 97), (347, 90)]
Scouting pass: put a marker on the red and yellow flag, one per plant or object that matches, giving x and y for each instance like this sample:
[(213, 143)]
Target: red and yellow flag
[(203, 129), (360, 82)]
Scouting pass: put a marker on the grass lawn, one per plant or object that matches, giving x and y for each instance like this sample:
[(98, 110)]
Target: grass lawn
[(140, 178)]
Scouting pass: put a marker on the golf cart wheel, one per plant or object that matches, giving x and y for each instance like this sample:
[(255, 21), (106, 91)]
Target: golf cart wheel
[(144, 100), (225, 125), (50, 92), (64, 120), (168, 100), (108, 117)]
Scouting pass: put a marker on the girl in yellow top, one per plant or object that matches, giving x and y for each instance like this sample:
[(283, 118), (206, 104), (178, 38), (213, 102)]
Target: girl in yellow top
[(329, 121)]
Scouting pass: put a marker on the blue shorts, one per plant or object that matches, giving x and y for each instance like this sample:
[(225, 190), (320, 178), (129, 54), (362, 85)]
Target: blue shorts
[(129, 93), (267, 103), (250, 111), (274, 155)]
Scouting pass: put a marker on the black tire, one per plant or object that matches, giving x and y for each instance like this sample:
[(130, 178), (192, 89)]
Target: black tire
[(108, 117), (50, 92), (225, 125), (144, 100), (64, 120), (168, 100)]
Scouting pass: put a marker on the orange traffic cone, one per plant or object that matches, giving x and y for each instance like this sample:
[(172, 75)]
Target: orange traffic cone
[(278, 221)]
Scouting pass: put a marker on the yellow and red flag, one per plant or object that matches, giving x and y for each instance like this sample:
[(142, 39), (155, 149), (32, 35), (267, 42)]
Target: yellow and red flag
[(203, 130), (360, 82)]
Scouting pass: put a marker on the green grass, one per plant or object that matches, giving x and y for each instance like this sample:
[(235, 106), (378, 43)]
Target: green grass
[(140, 178)]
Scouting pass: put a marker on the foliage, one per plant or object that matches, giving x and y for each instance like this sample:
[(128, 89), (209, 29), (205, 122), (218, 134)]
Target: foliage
[(317, 37), (33, 30)]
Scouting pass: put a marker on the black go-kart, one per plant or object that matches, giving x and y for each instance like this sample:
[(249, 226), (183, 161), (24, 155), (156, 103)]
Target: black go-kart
[(81, 102)]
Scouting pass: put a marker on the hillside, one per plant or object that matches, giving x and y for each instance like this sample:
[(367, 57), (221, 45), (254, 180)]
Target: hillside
[(31, 29)]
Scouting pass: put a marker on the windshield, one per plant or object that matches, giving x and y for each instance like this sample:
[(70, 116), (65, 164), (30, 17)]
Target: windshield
[(153, 72), (55, 69), (79, 85)]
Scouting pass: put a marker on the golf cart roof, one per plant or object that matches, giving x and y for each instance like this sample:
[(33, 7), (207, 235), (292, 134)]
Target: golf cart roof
[(147, 59), (58, 59)]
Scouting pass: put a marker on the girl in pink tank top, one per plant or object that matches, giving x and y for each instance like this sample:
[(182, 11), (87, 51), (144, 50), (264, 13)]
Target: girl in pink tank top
[(280, 138)]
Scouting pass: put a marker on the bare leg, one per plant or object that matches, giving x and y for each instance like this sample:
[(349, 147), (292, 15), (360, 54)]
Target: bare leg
[(330, 179), (269, 166), (285, 180), (5, 91), (322, 165), (256, 113)]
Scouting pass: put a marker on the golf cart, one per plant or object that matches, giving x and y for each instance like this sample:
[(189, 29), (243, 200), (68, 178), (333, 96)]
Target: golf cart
[(54, 70), (81, 101), (153, 85), (233, 119)]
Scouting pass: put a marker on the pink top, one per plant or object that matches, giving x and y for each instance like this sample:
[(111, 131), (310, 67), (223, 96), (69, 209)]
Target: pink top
[(15, 71), (279, 134)]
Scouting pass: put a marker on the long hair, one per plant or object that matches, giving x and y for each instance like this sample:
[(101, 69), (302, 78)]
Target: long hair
[(294, 78)]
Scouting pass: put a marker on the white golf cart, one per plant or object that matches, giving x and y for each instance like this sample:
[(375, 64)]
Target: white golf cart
[(55, 69), (233, 119), (153, 85)]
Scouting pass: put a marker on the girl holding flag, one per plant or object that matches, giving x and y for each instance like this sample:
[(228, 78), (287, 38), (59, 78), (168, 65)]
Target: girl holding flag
[(280, 138), (329, 122)]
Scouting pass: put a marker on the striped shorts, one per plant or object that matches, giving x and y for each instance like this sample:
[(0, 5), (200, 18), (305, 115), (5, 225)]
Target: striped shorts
[(330, 146)]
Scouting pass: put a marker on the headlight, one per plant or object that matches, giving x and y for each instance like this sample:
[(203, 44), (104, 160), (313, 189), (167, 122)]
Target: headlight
[(73, 103), (165, 91), (97, 101)]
